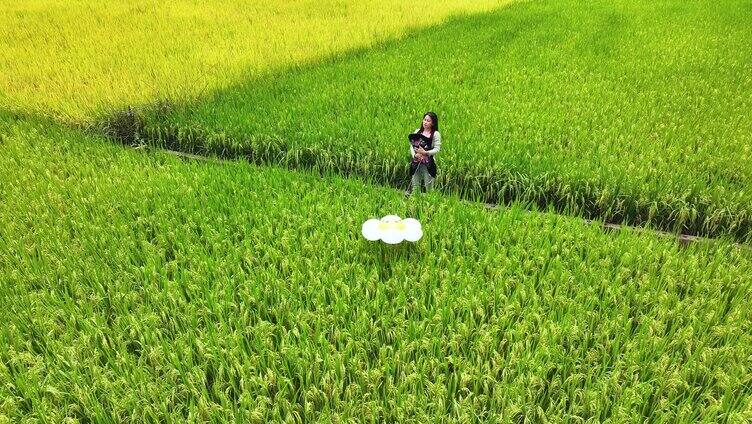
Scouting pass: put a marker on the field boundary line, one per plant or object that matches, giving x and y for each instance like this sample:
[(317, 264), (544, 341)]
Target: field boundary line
[(687, 216), (682, 239)]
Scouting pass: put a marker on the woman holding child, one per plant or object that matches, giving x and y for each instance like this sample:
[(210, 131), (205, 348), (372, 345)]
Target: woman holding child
[(425, 142)]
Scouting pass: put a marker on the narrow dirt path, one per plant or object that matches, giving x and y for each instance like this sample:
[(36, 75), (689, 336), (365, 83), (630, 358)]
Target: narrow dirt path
[(682, 239)]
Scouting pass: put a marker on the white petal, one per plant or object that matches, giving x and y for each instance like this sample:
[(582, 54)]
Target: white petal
[(413, 234), (413, 231), (390, 218), (411, 223), (392, 236), (371, 230)]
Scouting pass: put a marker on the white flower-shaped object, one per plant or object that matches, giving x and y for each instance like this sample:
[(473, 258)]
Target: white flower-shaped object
[(392, 229)]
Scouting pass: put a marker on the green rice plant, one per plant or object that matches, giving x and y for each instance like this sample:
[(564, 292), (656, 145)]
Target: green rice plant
[(634, 111), (139, 287)]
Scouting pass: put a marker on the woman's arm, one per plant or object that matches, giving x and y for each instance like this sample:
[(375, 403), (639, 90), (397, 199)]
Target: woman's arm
[(436, 144)]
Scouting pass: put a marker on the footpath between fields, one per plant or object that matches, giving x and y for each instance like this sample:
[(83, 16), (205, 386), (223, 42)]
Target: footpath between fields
[(682, 239)]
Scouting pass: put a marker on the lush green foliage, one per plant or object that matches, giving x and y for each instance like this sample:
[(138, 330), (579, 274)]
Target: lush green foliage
[(633, 111), (75, 59), (137, 287)]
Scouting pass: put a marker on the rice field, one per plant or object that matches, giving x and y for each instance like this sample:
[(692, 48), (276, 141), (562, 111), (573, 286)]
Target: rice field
[(630, 111), (76, 60), (141, 288)]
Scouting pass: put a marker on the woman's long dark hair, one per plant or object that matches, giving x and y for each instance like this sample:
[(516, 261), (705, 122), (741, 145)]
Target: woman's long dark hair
[(434, 119)]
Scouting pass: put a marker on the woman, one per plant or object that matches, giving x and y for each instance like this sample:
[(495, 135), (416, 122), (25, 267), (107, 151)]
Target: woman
[(423, 149)]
